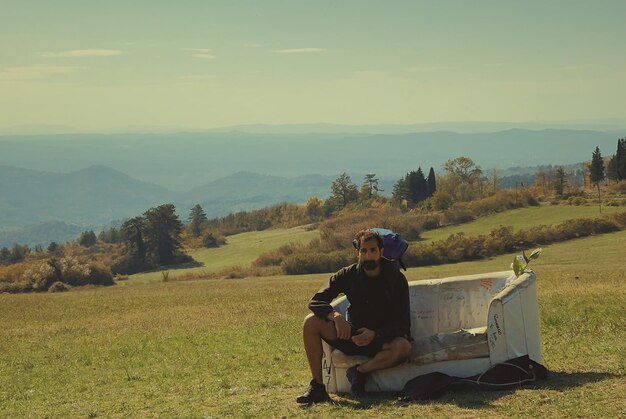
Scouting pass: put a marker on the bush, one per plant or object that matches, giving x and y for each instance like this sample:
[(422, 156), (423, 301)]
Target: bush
[(441, 201), (213, 240), (17, 287), (276, 257), (619, 187), (458, 247), (459, 213), (58, 287), (307, 263), (576, 200)]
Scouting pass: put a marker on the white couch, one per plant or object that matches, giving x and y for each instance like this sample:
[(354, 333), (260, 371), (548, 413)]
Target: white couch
[(461, 325)]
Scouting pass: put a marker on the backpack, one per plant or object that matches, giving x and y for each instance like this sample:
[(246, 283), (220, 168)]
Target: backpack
[(394, 245), (510, 374)]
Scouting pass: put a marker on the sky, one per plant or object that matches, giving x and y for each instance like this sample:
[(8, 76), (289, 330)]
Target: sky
[(96, 65)]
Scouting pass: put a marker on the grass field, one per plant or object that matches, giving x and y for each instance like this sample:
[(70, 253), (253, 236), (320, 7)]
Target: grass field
[(232, 348), (240, 250), (521, 218)]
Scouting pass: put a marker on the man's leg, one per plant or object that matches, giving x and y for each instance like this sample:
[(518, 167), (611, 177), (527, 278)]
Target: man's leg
[(393, 353), (313, 330)]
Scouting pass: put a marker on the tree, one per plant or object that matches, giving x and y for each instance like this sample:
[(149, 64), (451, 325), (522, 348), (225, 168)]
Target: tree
[(620, 155), (431, 182), (370, 186), (611, 169), (463, 168), (19, 253), (343, 192), (596, 172), (418, 188), (163, 229), (133, 234), (87, 238), (463, 178), (53, 247), (196, 218), (560, 181), (400, 191), (111, 235), (494, 179), (314, 207), (5, 256)]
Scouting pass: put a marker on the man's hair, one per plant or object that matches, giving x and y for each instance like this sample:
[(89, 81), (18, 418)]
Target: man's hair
[(366, 235)]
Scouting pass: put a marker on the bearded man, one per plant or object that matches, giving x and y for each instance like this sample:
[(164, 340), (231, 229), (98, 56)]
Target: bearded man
[(378, 319)]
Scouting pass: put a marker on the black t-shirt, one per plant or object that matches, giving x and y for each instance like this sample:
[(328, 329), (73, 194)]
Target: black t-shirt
[(380, 303)]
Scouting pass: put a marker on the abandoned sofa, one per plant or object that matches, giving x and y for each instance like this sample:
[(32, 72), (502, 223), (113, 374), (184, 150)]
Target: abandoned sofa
[(461, 325)]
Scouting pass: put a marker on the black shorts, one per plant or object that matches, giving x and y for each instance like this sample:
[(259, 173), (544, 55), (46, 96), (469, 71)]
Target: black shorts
[(348, 347)]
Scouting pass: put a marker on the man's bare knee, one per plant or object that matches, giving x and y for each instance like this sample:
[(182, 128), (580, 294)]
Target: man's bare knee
[(311, 322), (401, 348)]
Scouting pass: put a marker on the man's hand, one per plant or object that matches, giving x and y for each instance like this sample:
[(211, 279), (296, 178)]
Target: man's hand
[(364, 338), (342, 327)]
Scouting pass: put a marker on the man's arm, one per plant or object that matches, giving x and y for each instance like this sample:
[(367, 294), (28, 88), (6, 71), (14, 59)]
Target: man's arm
[(320, 306)]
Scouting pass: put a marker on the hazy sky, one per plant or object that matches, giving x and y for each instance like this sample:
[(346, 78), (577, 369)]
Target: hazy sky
[(198, 64)]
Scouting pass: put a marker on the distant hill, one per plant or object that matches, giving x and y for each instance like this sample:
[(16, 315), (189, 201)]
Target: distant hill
[(92, 196), (91, 179), (183, 161), (41, 234)]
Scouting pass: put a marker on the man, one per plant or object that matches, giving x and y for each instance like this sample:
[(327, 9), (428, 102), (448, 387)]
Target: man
[(378, 323)]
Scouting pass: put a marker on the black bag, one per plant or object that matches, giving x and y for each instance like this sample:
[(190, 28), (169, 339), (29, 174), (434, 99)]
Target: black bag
[(509, 374)]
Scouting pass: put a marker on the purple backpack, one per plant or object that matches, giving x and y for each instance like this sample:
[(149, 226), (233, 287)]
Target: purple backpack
[(394, 245)]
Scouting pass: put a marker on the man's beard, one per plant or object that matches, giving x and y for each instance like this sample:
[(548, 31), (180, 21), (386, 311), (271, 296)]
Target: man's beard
[(370, 265)]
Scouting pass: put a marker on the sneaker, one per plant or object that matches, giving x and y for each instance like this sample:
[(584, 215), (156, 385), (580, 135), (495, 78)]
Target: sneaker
[(316, 393), (357, 381)]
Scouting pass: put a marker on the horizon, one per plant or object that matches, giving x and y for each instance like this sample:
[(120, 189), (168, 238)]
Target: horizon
[(227, 64)]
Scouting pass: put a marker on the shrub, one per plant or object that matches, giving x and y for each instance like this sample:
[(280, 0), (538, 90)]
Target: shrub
[(576, 200), (58, 287), (458, 247), (213, 239), (276, 257), (319, 262), (441, 201), (459, 213), (16, 287), (619, 187), (620, 220)]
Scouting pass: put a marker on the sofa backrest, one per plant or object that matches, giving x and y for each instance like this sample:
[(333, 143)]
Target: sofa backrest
[(450, 304)]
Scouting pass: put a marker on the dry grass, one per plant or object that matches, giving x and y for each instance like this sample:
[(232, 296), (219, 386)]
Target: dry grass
[(231, 348)]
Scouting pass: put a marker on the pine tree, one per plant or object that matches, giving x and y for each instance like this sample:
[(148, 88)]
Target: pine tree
[(432, 182), (163, 229), (560, 182), (418, 188), (611, 169), (343, 192), (370, 186), (87, 238), (596, 172), (196, 218), (620, 155), (132, 232), (400, 191)]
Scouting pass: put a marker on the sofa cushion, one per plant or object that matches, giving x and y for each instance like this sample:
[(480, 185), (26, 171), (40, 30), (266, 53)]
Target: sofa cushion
[(462, 344)]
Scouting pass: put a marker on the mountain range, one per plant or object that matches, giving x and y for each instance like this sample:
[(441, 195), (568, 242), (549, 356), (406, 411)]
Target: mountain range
[(184, 161), (88, 180)]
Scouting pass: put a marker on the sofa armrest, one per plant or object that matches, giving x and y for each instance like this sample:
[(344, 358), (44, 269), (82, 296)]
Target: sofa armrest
[(513, 321)]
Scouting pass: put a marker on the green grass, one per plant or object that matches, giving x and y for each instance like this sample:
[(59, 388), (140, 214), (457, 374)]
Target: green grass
[(240, 250), (521, 218), (232, 348)]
